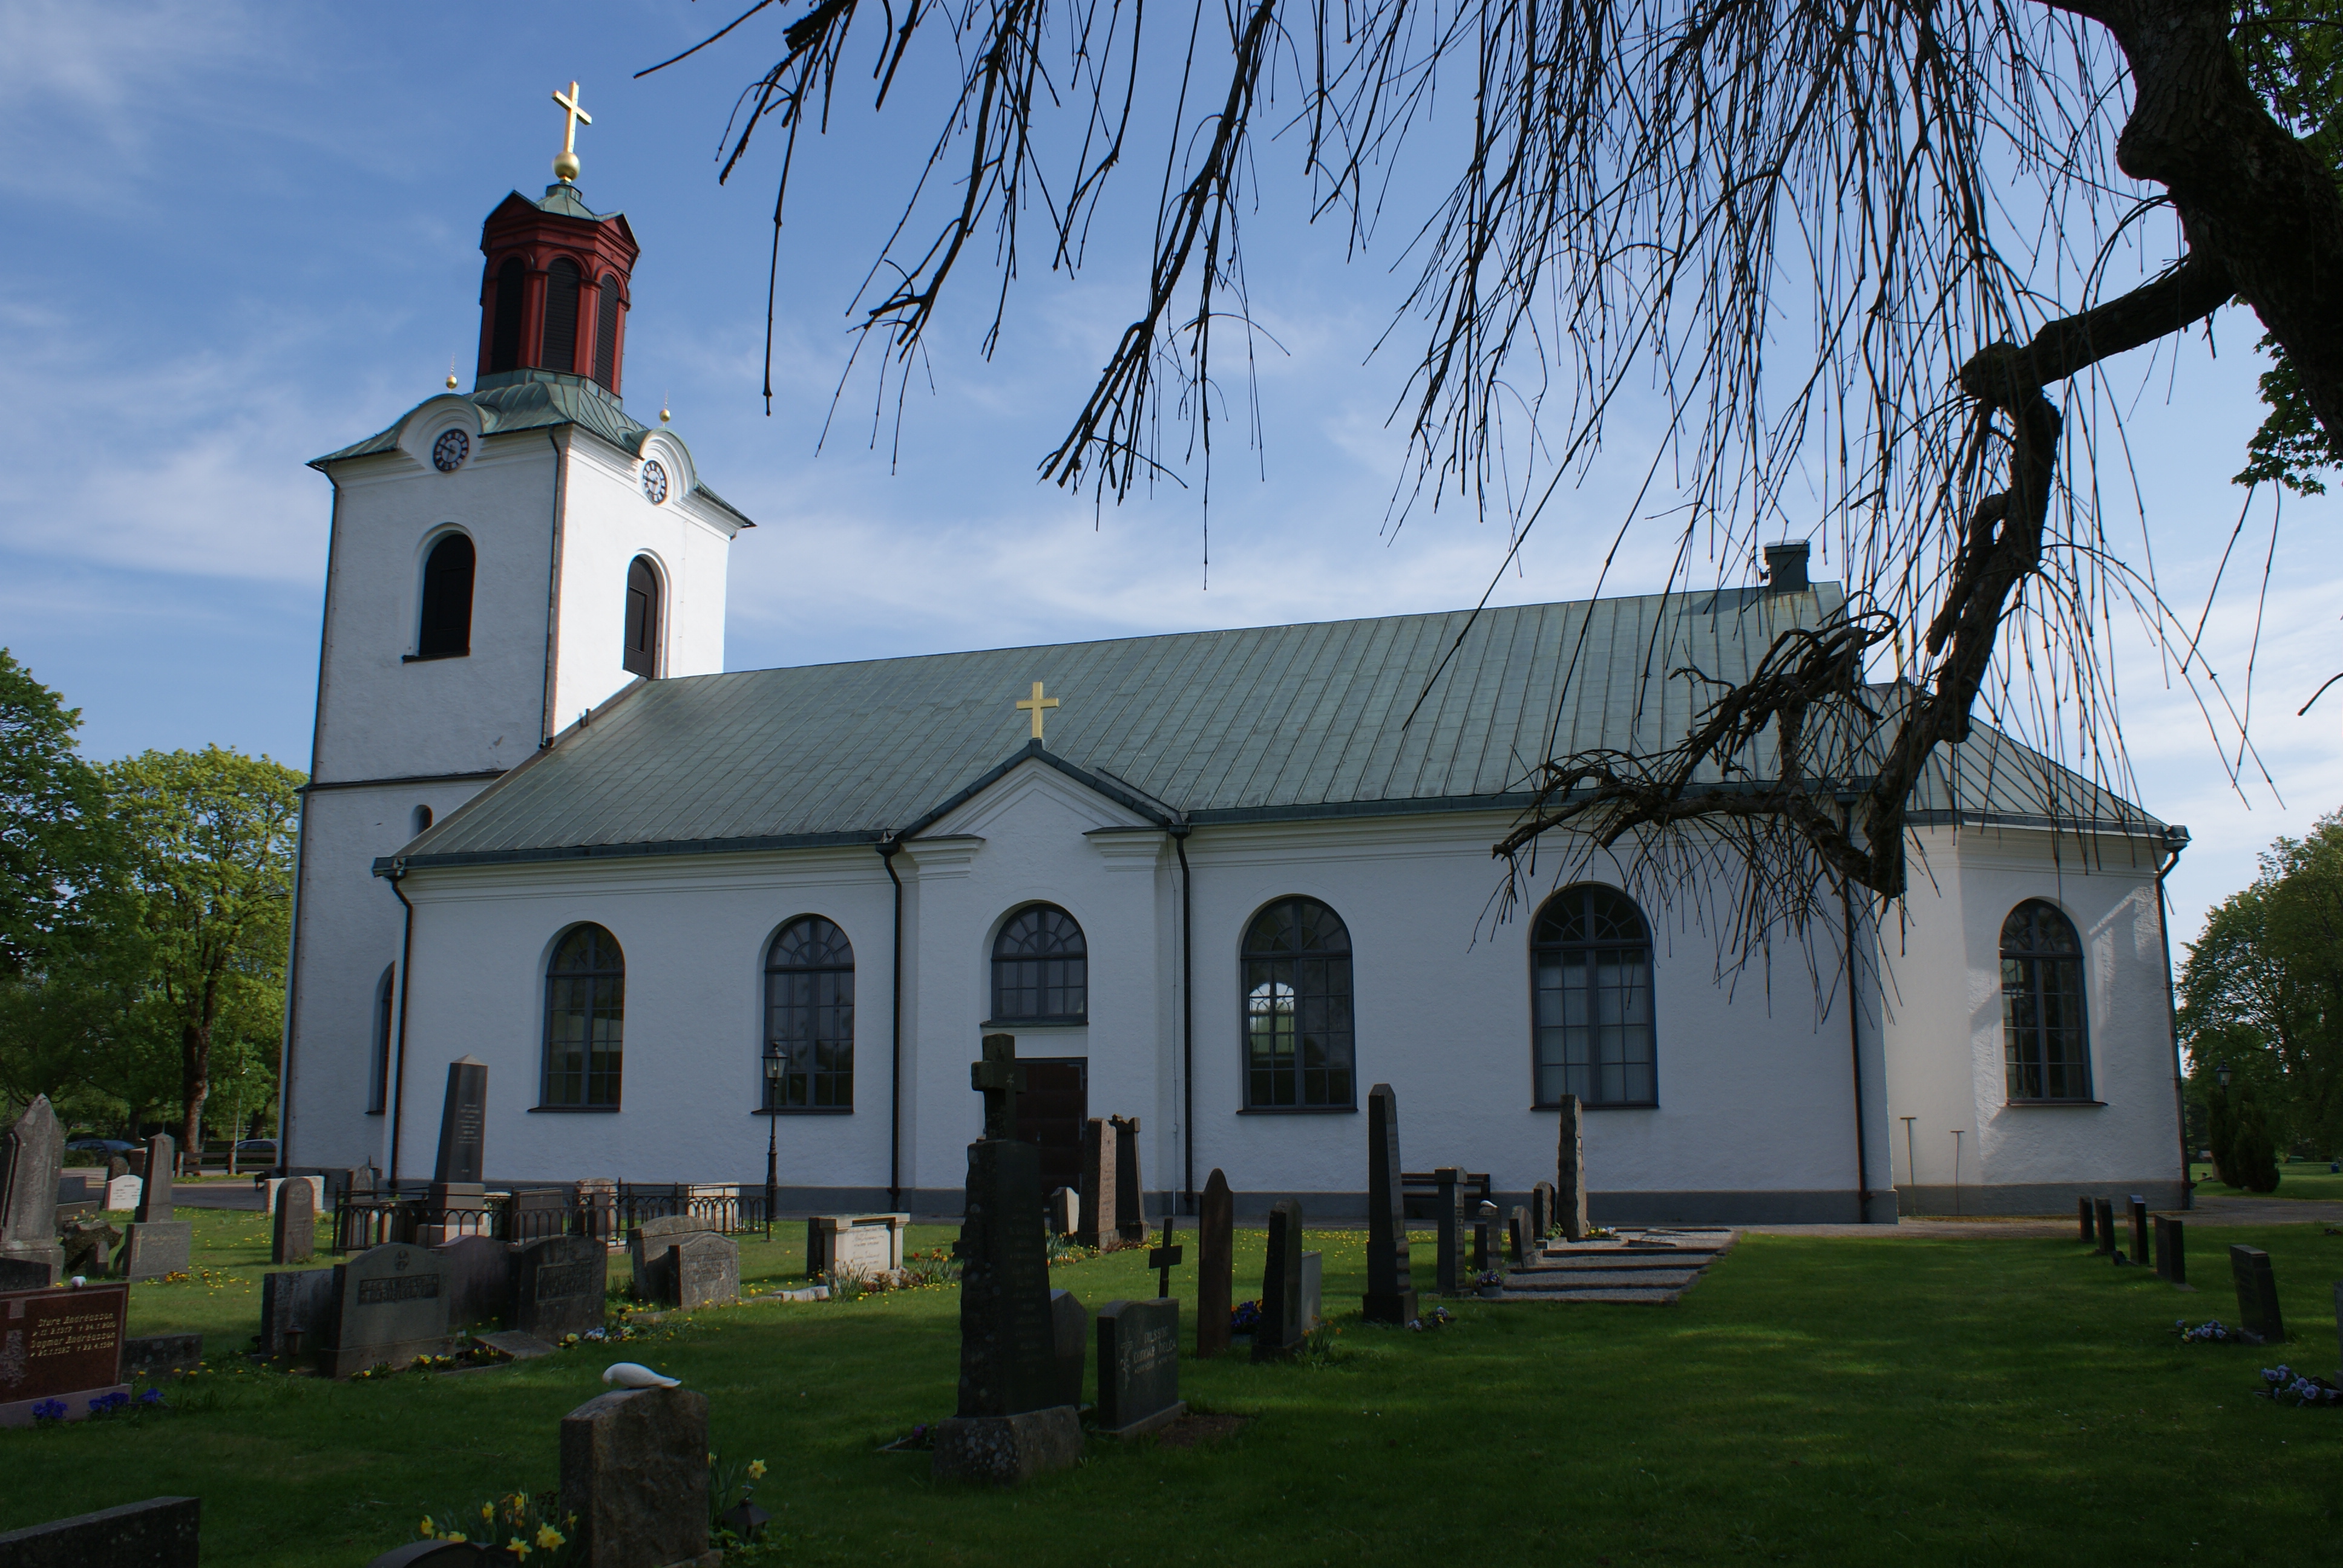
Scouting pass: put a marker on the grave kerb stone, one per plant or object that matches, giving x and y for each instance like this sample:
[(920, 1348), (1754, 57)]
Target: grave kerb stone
[(160, 1532)]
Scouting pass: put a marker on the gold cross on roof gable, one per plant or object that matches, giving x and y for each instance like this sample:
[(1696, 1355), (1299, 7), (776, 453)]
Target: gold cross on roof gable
[(1034, 705), (565, 167)]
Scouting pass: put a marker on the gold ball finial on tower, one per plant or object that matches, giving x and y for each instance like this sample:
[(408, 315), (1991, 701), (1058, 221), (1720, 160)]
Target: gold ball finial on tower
[(663, 415), (565, 163), (451, 373)]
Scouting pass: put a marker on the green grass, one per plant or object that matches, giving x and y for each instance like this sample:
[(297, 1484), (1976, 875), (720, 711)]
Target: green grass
[(1953, 1401), (2301, 1178)]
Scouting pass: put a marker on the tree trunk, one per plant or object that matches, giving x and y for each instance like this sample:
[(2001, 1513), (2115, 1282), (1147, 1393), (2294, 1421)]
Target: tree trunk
[(195, 1086)]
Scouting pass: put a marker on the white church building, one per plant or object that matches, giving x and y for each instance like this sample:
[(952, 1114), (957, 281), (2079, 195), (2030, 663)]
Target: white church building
[(1223, 881)]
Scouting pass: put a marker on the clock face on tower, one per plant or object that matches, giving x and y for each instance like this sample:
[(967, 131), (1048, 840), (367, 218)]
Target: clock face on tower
[(655, 481), (449, 452)]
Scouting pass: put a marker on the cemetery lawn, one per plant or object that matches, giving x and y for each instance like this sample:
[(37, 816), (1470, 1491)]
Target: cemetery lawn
[(1907, 1399), (2296, 1179)]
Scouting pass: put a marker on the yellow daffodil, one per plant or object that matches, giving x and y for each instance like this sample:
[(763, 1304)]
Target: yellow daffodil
[(549, 1538), (488, 1511), (425, 1529), (756, 1470)]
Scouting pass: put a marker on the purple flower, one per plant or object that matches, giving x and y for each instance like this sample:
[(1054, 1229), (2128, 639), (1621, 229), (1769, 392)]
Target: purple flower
[(49, 1410)]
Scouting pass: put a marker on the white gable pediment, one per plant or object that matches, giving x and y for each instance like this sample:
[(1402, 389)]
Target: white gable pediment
[(1033, 797)]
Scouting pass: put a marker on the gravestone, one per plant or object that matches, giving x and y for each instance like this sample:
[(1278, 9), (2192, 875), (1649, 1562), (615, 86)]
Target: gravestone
[(154, 1194), (1096, 1223), (1447, 1268), (63, 1345), (846, 1246), (1280, 1334), (160, 1532), (633, 1477), (390, 1306), (2085, 1215), (649, 1245), (2256, 1293), (597, 1206), (1390, 1287), (295, 1238), (1570, 1171), (297, 1312), (2103, 1215), (455, 1194), (24, 1274), (117, 1167), (121, 1194), (1130, 1196), (536, 1212), (1012, 1422), (2138, 1228), (1139, 1366), (2171, 1250), (706, 1269), (559, 1286), (1065, 1211), (2339, 1328), (478, 1271), (152, 1353), (155, 1245), (1484, 1236), (1541, 1211), (1216, 1265), (1069, 1334), (1517, 1235), (1313, 1290), (31, 1153), (273, 1191), (88, 1247)]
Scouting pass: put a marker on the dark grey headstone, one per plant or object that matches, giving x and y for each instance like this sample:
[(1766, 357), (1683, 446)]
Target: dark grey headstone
[(649, 1245), (28, 1274), (1006, 1450), (390, 1305), (293, 1238), (2256, 1293), (559, 1286), (463, 1122), (1216, 1265), (1484, 1236), (300, 1303), (1280, 1334), (89, 1248), (2138, 1228), (2086, 1217), (1448, 1267), (153, 1354), (1391, 1286), (634, 1475), (116, 1165), (1517, 1235), (2103, 1215), (1096, 1222), (1130, 1196), (154, 1249), (1139, 1364), (1541, 1211), (1070, 1333), (1007, 1358), (1570, 1171), (160, 1532), (31, 1153), (478, 1272), (154, 1197), (707, 1269), (1313, 1290), (2171, 1250)]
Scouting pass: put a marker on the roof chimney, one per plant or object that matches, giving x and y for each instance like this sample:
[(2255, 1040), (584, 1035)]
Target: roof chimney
[(1785, 567)]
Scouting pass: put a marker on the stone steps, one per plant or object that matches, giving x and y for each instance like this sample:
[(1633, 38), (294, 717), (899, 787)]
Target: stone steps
[(1653, 1266)]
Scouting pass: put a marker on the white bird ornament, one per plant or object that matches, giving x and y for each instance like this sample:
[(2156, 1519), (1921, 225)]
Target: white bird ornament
[(634, 1374)]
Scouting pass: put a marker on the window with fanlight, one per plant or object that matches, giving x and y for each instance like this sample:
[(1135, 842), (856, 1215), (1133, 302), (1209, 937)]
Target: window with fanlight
[(1299, 1031), (1591, 981), (810, 1017), (585, 1021), (1040, 969), (2045, 1044)]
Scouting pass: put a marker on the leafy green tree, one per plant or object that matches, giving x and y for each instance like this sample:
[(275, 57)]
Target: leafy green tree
[(210, 838), (55, 848)]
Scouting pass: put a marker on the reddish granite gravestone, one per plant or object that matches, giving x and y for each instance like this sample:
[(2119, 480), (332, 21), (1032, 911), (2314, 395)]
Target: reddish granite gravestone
[(1570, 1173), (1216, 1265), (59, 1350), (1096, 1223)]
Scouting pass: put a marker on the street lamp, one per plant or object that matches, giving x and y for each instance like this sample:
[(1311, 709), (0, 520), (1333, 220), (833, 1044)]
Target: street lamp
[(775, 1064), (2221, 1072)]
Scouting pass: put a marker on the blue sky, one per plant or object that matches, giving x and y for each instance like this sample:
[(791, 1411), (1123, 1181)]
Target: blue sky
[(243, 235)]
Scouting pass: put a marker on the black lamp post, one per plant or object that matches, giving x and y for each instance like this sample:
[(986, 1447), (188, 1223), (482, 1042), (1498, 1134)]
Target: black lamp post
[(2221, 1072), (775, 1063)]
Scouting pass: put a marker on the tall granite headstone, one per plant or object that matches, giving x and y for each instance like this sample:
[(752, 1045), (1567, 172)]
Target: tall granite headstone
[(1448, 1266), (456, 1193), (634, 1476), (2138, 1228), (390, 1306), (1012, 1423), (2103, 1215), (2171, 1250), (1570, 1171), (295, 1236), (1390, 1287), (31, 1153), (2085, 1217), (1216, 1265), (1279, 1335), (156, 1197), (1098, 1223), (559, 1287), (155, 1245), (2256, 1293), (1139, 1366), (1130, 1196)]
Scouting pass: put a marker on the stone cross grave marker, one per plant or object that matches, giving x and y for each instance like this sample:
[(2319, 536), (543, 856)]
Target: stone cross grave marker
[(1216, 1265), (1390, 1287), (1570, 1171), (2083, 1215), (2256, 1293), (2171, 1250), (1130, 1196), (707, 1269), (1098, 1223), (634, 1475), (2103, 1215), (1279, 1333), (1165, 1258), (60, 1345), (1070, 1335), (2138, 1228), (1447, 1269), (390, 1305), (1139, 1366), (559, 1286), (293, 1238)]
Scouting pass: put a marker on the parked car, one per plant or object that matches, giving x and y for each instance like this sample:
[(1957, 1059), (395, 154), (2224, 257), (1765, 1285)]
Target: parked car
[(108, 1146), (256, 1148)]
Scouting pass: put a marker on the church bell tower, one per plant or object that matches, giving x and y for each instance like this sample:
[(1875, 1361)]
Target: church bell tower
[(502, 560)]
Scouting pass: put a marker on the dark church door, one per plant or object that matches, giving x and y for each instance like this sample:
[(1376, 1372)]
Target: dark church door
[(1050, 1112)]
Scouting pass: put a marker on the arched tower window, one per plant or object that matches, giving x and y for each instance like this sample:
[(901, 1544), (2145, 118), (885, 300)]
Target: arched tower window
[(1591, 973), (446, 629), (584, 1019), (810, 1017), (2044, 1041), (605, 335), (421, 819), (1298, 1025), (1040, 969), (378, 1074), (642, 618), (504, 332), (561, 282)]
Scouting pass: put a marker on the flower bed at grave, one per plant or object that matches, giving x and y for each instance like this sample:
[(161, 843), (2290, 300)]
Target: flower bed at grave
[(2288, 1386), (53, 1411), (2211, 1328)]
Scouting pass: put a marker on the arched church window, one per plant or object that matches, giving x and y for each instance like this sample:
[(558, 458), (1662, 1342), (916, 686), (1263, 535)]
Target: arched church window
[(1040, 969), (642, 618), (1298, 1022), (1591, 975), (421, 819), (2044, 1041), (584, 1019), (445, 630), (504, 335), (605, 335), (378, 1075), (561, 280), (810, 1017)]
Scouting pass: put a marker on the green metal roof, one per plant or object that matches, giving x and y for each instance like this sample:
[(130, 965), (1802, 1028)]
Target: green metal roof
[(1250, 725)]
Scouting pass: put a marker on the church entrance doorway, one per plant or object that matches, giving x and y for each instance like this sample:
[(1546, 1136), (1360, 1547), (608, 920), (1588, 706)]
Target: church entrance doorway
[(1050, 1110)]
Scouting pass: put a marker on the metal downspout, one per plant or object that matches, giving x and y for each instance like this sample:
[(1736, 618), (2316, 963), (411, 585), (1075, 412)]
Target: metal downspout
[(1855, 1051), (1179, 831), (887, 846), (2175, 839), (398, 1081)]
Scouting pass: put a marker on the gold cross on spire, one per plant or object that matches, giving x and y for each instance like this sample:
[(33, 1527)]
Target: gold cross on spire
[(565, 167), (1034, 705)]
